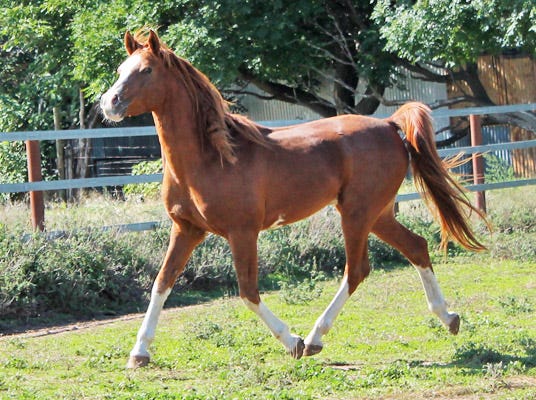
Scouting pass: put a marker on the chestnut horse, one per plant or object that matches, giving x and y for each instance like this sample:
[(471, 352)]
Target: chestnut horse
[(227, 175)]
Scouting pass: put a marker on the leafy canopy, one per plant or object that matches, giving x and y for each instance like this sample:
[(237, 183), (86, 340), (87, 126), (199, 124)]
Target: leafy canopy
[(52, 48), (455, 32)]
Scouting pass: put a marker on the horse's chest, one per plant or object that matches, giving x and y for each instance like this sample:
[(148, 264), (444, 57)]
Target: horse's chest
[(188, 205)]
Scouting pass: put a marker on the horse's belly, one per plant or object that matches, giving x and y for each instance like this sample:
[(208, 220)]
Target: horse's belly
[(292, 202)]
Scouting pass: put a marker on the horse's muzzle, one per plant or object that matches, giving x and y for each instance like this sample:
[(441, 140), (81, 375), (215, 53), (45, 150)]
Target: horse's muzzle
[(113, 106)]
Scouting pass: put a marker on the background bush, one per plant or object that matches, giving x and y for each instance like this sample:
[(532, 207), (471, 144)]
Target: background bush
[(82, 274), (88, 273), (12, 166), (145, 189)]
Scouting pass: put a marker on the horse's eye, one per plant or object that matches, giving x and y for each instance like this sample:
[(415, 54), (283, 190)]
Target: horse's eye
[(147, 70)]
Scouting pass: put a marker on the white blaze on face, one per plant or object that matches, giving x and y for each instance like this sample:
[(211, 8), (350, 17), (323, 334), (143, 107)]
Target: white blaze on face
[(112, 103), (129, 66)]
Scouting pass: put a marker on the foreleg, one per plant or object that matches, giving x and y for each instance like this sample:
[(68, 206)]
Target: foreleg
[(183, 239), (244, 248)]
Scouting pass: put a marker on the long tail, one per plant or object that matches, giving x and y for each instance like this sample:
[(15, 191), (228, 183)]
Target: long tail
[(436, 185)]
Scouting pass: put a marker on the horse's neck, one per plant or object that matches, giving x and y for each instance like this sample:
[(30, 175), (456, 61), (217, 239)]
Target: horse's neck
[(179, 141)]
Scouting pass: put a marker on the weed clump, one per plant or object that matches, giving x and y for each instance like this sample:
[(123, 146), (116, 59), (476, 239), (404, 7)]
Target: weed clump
[(83, 274), (93, 272)]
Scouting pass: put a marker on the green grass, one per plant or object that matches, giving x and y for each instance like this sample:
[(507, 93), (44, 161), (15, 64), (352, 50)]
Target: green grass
[(92, 211), (385, 344)]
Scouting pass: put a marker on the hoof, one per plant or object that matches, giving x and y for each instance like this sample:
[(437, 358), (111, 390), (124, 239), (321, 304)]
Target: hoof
[(297, 351), (137, 362), (454, 325), (312, 349)]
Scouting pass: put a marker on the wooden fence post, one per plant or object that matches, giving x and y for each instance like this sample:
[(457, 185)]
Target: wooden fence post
[(37, 203), (478, 161)]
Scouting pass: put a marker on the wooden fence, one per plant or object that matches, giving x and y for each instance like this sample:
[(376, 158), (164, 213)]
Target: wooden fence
[(36, 186)]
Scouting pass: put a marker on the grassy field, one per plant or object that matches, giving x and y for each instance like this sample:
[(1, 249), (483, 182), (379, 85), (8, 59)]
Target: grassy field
[(385, 345)]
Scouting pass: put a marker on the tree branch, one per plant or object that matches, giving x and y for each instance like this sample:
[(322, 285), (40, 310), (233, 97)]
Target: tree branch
[(248, 93), (291, 95)]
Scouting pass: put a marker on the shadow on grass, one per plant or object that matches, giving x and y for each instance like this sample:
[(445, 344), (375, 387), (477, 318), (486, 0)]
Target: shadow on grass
[(475, 356), (473, 359), (57, 321)]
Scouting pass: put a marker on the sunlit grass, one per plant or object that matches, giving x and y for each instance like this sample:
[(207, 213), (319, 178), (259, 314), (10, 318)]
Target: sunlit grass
[(92, 211), (385, 344)]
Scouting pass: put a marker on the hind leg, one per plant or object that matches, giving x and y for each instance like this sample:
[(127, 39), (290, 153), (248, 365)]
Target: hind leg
[(415, 248)]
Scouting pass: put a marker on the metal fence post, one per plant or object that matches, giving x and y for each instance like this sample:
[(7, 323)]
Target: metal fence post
[(478, 161), (37, 203)]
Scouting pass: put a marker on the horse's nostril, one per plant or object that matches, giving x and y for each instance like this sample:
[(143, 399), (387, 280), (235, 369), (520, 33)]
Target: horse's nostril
[(115, 100)]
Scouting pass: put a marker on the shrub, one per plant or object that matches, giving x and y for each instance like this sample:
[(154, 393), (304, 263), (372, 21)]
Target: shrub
[(13, 167), (151, 189), (498, 170), (85, 273), (91, 272), (210, 266), (298, 251)]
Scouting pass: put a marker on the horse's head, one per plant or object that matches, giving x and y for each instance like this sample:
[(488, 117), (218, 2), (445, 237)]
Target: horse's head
[(141, 80)]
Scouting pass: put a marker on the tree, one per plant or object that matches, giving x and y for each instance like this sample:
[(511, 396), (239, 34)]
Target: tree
[(35, 41), (32, 78), (292, 50), (289, 49), (39, 42), (441, 40)]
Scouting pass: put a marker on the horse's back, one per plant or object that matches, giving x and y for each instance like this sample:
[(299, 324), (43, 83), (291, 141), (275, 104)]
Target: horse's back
[(352, 142), (361, 130), (321, 162)]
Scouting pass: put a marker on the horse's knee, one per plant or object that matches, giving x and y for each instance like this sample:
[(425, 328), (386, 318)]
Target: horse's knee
[(250, 297), (357, 275)]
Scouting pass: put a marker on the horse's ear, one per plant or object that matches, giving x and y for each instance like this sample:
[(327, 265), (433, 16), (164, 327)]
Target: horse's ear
[(131, 44), (154, 42)]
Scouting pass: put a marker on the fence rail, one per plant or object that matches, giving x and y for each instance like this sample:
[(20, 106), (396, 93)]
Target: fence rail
[(135, 179), (150, 131)]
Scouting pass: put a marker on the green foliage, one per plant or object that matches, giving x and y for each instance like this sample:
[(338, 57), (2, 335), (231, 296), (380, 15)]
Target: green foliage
[(97, 35), (456, 32), (33, 38), (497, 170), (475, 354), (145, 189), (301, 292), (81, 274), (210, 266), (13, 168), (270, 39), (514, 305), (51, 48)]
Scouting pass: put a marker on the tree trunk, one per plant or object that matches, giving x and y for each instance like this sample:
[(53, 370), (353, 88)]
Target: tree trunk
[(83, 143), (60, 149)]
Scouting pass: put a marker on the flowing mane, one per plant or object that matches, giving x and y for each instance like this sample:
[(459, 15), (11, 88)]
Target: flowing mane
[(215, 124)]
